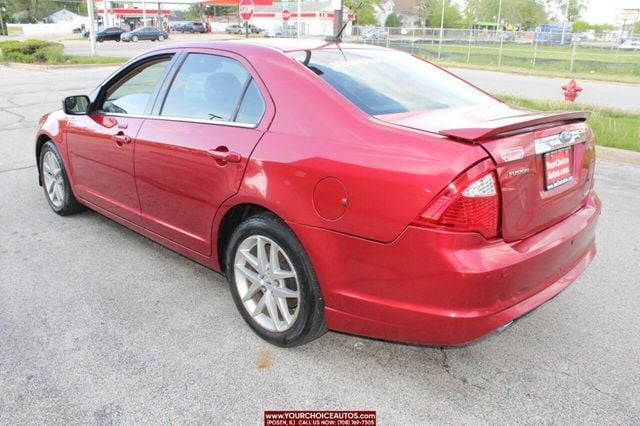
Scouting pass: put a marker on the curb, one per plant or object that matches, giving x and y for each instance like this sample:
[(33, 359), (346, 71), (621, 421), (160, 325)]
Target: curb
[(618, 155)]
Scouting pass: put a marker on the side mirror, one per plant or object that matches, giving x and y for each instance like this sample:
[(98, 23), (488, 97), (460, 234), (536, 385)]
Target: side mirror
[(76, 105)]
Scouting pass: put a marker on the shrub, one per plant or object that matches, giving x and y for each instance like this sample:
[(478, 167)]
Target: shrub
[(32, 51)]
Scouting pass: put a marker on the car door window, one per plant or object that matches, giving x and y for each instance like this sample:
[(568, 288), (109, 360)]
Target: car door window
[(210, 87), (131, 93)]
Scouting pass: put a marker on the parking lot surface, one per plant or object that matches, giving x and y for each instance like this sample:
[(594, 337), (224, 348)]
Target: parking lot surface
[(99, 325)]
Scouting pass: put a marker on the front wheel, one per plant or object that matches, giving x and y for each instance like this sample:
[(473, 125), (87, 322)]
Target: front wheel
[(160, 37), (273, 283), (55, 182)]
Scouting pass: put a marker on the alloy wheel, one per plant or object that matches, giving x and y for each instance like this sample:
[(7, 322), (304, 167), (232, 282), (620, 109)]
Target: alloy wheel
[(53, 179), (267, 283)]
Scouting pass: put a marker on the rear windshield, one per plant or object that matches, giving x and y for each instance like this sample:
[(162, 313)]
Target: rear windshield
[(387, 81)]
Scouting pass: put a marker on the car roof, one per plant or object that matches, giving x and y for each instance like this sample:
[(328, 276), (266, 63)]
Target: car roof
[(284, 45)]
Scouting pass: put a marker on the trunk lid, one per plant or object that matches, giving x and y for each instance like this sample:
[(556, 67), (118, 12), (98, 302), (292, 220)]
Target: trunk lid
[(544, 161)]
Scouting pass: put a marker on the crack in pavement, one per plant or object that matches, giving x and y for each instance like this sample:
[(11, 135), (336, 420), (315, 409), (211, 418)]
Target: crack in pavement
[(18, 169)]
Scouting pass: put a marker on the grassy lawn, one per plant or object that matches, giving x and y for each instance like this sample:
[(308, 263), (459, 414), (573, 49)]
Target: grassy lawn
[(48, 53), (612, 128)]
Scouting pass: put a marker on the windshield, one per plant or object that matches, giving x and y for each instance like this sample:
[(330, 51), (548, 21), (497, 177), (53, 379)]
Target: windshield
[(387, 81)]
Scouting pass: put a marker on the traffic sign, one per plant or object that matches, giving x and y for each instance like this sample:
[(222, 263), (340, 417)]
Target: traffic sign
[(286, 15), (246, 9)]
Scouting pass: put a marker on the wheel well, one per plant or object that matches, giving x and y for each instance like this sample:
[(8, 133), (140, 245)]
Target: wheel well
[(230, 222), (42, 139)]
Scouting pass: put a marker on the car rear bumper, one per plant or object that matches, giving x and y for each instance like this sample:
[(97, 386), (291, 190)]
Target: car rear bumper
[(443, 288)]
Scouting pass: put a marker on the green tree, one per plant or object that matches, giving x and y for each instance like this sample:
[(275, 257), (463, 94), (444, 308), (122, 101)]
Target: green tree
[(365, 14), (430, 13), (580, 26), (576, 7), (393, 21), (522, 13)]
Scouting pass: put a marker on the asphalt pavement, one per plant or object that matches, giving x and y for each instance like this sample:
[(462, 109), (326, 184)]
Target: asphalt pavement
[(99, 325), (601, 93)]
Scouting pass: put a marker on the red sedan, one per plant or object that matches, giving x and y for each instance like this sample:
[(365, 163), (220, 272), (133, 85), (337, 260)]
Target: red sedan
[(342, 187)]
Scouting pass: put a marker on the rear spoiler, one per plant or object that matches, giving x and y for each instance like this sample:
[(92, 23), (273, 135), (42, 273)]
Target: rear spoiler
[(519, 124)]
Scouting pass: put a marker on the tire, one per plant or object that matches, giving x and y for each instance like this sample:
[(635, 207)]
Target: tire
[(160, 37), (291, 295), (134, 39), (117, 40), (99, 40), (55, 182)]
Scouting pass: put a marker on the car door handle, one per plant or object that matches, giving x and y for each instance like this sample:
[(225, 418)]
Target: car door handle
[(121, 139), (223, 155)]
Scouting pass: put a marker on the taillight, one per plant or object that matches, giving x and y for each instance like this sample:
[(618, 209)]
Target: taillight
[(470, 203)]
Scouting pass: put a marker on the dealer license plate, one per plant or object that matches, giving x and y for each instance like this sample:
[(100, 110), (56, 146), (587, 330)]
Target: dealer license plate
[(558, 168)]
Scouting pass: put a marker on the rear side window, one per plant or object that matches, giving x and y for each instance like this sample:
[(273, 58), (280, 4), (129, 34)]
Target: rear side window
[(386, 82), (213, 88)]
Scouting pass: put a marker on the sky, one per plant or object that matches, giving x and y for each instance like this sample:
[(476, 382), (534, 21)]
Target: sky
[(603, 11)]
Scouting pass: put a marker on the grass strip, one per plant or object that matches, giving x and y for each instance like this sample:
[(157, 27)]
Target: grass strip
[(614, 128)]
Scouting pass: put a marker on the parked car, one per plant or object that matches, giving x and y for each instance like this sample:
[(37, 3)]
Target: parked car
[(176, 26), (144, 33), (375, 34), (255, 29), (112, 33), (192, 27), (280, 31), (234, 29), (630, 45), (415, 208)]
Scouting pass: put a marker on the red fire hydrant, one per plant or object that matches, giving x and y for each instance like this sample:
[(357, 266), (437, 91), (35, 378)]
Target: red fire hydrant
[(571, 90)]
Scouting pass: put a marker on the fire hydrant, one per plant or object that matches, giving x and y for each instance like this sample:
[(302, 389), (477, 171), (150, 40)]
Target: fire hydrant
[(571, 90)]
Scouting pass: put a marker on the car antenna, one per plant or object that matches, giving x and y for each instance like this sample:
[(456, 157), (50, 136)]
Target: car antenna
[(338, 37)]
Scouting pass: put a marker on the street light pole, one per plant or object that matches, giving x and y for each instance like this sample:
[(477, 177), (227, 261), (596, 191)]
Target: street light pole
[(92, 32), (499, 30), (566, 21), (441, 29)]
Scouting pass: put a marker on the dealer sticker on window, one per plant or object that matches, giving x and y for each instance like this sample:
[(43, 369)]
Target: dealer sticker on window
[(558, 166)]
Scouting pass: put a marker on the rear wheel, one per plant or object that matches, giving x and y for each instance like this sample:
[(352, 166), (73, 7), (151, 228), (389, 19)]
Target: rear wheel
[(55, 182), (134, 39), (273, 283)]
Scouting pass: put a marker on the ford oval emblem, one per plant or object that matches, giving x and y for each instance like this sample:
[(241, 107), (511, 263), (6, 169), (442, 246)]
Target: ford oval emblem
[(566, 137)]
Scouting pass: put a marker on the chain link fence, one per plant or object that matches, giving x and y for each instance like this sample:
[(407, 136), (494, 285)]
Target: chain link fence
[(553, 51)]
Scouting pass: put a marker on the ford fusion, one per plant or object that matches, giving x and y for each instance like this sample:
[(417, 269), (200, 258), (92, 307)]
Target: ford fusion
[(338, 187)]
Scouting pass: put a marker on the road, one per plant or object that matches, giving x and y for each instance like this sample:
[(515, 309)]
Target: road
[(611, 95), (99, 325)]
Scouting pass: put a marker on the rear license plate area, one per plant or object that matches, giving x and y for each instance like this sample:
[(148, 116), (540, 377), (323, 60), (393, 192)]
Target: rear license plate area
[(558, 168)]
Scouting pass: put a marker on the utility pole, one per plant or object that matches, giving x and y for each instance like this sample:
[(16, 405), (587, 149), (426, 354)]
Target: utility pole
[(566, 21), (92, 31)]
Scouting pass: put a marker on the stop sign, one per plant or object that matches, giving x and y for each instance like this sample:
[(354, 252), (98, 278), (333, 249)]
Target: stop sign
[(286, 15), (246, 9)]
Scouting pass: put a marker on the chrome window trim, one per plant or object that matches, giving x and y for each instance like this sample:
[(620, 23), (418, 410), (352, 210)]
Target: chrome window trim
[(185, 120), (554, 142), (196, 120)]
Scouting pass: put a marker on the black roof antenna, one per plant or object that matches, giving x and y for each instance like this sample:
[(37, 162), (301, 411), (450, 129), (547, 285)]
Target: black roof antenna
[(338, 37)]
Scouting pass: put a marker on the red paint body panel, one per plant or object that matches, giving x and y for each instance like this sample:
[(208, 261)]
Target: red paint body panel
[(350, 186), (180, 186), (444, 288), (101, 168)]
